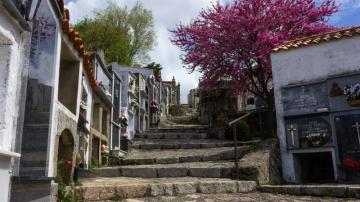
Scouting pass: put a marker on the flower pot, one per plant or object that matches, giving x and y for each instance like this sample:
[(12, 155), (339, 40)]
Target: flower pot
[(354, 102)]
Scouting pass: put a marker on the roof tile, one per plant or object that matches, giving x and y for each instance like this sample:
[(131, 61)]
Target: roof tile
[(316, 39)]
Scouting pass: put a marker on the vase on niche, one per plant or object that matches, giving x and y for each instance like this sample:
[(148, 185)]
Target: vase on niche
[(354, 102)]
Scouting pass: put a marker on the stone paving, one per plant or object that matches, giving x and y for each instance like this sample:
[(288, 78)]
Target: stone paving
[(242, 197)]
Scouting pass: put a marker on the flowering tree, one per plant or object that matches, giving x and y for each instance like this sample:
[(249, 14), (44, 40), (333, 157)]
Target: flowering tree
[(234, 42)]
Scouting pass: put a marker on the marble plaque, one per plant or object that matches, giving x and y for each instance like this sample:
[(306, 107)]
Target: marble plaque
[(39, 94), (310, 131), (348, 136), (305, 99)]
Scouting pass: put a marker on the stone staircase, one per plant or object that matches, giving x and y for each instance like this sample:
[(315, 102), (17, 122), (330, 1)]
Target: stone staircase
[(175, 161)]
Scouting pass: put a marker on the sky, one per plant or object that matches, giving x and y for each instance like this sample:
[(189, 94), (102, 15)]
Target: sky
[(169, 13)]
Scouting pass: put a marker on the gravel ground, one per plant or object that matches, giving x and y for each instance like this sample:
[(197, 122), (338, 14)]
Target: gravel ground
[(249, 197)]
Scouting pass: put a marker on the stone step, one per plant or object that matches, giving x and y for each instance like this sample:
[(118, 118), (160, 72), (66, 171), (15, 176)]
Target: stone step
[(36, 128), (149, 144), (143, 157), (176, 135), (117, 189), (38, 117), (179, 130), (333, 190), (223, 169), (33, 171)]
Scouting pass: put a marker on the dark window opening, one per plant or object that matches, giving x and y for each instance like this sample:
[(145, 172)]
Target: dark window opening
[(316, 167)]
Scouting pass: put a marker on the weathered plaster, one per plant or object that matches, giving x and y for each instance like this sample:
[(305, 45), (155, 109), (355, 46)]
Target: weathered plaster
[(12, 67)]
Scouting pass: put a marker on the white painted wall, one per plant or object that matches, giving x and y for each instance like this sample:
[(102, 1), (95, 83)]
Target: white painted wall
[(89, 93), (308, 64), (11, 68), (56, 105)]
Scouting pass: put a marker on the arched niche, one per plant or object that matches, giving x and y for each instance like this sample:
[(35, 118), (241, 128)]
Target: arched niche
[(65, 156)]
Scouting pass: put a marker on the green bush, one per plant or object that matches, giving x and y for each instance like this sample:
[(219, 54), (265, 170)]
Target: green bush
[(242, 132)]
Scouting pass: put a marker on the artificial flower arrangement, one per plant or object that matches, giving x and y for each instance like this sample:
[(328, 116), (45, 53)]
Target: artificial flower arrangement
[(352, 94), (104, 149), (108, 93), (154, 107), (123, 124), (317, 139), (83, 105)]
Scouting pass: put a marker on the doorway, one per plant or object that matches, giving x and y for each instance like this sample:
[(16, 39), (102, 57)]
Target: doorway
[(316, 167)]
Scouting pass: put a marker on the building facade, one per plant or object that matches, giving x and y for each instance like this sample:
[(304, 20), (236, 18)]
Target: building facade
[(101, 110), (52, 126), (174, 91), (193, 98), (318, 110)]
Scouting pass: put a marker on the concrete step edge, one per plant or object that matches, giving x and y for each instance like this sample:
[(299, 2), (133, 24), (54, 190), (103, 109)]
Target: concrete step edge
[(119, 192), (220, 171), (221, 156), (205, 145)]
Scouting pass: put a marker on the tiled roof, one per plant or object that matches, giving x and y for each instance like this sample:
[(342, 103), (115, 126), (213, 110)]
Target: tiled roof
[(167, 84), (320, 38), (78, 44)]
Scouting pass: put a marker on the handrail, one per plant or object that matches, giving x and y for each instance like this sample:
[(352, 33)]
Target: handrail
[(235, 141), (240, 118)]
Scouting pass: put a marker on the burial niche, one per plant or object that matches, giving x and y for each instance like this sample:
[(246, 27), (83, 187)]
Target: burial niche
[(315, 167), (65, 156), (69, 77)]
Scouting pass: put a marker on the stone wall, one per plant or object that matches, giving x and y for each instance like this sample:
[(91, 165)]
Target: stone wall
[(65, 121), (262, 164)]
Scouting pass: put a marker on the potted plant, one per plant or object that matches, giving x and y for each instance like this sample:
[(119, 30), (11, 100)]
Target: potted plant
[(352, 94)]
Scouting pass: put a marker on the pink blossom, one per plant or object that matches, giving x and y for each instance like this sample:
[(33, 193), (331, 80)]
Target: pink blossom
[(236, 40)]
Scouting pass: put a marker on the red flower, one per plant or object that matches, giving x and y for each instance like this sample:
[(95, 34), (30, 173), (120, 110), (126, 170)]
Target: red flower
[(351, 164), (69, 163)]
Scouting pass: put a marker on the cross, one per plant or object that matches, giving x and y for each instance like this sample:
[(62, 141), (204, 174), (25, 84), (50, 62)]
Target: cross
[(357, 126), (292, 130)]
